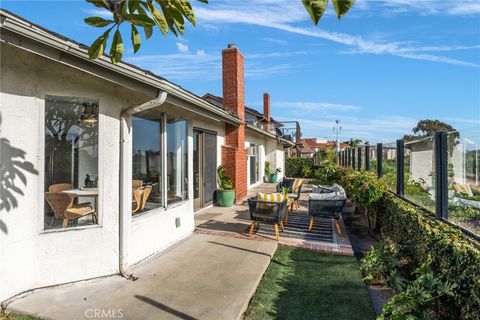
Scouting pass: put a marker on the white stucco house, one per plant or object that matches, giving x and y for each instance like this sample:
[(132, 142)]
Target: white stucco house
[(130, 156)]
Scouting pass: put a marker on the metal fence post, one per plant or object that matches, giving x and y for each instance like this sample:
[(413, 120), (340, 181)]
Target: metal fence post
[(367, 158), (353, 158), (441, 175), (379, 160), (400, 168), (359, 165)]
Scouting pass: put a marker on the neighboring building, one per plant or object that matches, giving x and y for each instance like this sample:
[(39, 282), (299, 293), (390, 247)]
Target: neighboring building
[(309, 146), (68, 122)]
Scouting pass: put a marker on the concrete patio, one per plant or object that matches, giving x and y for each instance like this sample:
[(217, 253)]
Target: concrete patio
[(202, 277)]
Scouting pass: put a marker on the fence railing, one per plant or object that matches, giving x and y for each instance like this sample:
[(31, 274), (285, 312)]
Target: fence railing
[(437, 173)]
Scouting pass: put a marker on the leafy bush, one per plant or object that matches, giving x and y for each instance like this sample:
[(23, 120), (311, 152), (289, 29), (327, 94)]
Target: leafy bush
[(224, 181), (434, 268), (294, 167), (326, 172)]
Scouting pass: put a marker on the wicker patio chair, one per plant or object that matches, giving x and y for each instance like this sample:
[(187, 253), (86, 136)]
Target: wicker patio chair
[(64, 209), (140, 197), (266, 212), (59, 187)]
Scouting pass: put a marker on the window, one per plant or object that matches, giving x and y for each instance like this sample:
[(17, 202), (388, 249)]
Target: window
[(147, 182), (177, 160), (71, 161)]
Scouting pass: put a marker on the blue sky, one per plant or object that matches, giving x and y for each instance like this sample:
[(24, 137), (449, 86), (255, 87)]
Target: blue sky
[(386, 65)]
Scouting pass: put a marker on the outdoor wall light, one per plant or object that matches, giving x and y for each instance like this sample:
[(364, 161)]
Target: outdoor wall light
[(90, 112)]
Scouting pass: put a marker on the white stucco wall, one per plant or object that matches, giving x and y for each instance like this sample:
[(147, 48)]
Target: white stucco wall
[(32, 258)]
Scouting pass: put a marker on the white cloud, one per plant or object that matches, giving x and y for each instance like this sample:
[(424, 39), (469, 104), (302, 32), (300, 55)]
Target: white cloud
[(285, 15), (274, 40), (187, 65), (102, 13), (183, 48), (308, 107), (381, 129)]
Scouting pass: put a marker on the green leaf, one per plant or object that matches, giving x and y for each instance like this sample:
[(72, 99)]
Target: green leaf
[(116, 50), (99, 4), (204, 1), (139, 19), (98, 46), (148, 31), (185, 9), (135, 39), (158, 18), (342, 6), (315, 8), (97, 22), (133, 5)]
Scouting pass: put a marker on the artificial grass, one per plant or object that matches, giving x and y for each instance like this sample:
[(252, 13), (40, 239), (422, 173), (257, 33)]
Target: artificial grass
[(304, 284)]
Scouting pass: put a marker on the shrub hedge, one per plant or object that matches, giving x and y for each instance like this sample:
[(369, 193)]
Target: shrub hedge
[(433, 267), (298, 167)]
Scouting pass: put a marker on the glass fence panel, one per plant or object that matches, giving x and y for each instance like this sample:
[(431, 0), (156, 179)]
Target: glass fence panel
[(420, 172), (373, 159), (389, 162), (463, 182)]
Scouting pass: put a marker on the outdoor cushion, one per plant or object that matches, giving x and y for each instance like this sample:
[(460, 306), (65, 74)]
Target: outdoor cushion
[(323, 189), (296, 184), (326, 196), (270, 197)]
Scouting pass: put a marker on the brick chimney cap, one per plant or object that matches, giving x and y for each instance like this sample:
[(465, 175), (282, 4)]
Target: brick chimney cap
[(232, 46)]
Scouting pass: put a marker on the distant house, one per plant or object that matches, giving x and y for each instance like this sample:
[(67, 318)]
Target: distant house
[(308, 147), (104, 165)]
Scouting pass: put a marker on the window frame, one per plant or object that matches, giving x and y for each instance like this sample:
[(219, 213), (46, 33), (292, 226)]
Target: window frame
[(41, 161)]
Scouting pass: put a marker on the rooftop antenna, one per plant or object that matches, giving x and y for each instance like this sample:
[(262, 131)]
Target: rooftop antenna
[(337, 129)]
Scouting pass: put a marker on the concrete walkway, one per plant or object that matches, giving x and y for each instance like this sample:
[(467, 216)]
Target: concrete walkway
[(203, 277)]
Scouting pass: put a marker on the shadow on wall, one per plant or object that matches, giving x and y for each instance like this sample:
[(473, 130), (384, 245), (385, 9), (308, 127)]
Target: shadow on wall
[(12, 167)]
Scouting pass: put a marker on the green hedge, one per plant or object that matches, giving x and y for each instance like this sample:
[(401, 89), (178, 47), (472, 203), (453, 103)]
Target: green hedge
[(299, 167), (433, 267)]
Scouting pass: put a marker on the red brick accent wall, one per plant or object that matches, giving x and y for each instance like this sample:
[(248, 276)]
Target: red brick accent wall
[(234, 155)]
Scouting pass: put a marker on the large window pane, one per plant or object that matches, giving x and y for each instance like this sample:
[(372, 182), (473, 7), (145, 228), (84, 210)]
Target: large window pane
[(147, 161), (71, 161), (177, 160)]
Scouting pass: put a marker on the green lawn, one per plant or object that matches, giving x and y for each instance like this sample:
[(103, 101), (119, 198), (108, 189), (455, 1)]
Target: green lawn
[(12, 316), (303, 284)]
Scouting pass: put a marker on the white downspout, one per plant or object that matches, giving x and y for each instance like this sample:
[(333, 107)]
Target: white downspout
[(126, 179)]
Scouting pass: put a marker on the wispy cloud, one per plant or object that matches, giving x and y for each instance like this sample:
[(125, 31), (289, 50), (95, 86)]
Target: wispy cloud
[(382, 129), (309, 107), (286, 16), (183, 48), (274, 40), (419, 7), (102, 13), (188, 65)]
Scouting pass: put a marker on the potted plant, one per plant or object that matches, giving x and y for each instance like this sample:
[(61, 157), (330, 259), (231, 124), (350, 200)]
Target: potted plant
[(270, 174), (225, 193)]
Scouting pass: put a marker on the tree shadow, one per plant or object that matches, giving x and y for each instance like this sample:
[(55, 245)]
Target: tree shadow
[(12, 168)]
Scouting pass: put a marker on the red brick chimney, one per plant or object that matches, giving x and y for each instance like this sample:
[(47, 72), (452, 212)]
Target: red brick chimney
[(234, 155), (266, 110)]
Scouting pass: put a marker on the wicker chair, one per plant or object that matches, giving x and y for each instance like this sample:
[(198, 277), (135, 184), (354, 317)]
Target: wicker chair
[(64, 209), (59, 187), (140, 197), (266, 212)]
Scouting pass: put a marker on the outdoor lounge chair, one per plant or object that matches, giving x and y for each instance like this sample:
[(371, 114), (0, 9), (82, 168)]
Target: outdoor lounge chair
[(295, 189), (326, 202), (270, 212)]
